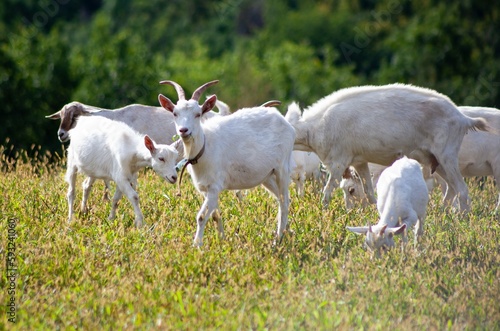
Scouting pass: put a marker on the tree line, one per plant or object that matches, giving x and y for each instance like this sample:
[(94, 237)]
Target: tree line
[(113, 53)]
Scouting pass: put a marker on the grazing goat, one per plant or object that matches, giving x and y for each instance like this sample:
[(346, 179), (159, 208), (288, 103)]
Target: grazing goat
[(307, 166), (111, 150), (379, 124), (240, 151), (353, 188), (402, 203)]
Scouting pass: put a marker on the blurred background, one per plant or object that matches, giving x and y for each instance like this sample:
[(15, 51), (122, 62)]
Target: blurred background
[(113, 53)]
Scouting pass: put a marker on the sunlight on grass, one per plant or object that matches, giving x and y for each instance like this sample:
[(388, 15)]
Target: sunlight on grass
[(100, 274)]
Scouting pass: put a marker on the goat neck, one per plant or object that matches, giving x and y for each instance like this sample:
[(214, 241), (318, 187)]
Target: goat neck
[(191, 161)]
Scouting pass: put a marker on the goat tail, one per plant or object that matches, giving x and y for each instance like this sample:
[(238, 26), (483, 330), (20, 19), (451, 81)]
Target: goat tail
[(479, 123)]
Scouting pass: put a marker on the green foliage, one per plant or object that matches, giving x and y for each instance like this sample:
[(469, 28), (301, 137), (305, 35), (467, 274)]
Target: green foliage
[(112, 53), (100, 274), (32, 85)]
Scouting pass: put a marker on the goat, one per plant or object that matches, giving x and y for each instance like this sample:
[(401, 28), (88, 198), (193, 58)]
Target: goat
[(240, 151), (111, 150), (152, 121), (352, 186), (307, 166), (479, 153), (402, 203), (379, 124), (478, 156)]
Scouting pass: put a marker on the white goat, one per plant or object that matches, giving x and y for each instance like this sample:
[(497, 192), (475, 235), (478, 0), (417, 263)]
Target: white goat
[(379, 124), (307, 166), (479, 155), (352, 186), (152, 121), (111, 150), (402, 203), (240, 151)]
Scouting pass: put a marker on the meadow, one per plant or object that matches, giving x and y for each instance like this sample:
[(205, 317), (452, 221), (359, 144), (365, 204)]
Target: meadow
[(96, 274)]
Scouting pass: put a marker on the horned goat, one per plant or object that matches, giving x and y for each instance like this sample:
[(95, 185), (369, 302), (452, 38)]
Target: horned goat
[(379, 124), (402, 203), (240, 151), (111, 150)]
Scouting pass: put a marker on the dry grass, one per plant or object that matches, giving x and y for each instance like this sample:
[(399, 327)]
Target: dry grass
[(100, 274)]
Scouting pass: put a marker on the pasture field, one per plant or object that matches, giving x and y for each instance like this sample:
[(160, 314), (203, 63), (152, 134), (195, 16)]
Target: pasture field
[(96, 274)]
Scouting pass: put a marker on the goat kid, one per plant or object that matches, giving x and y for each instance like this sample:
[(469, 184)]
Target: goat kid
[(111, 150), (152, 121), (352, 186), (402, 203)]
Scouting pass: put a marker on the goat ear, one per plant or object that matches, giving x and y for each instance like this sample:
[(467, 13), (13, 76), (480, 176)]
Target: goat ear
[(149, 143), (398, 230), (383, 229), (84, 112), (358, 229), (347, 173), (54, 116), (166, 103), (209, 104)]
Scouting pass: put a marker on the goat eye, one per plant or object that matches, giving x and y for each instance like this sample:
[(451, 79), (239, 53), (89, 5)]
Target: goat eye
[(162, 159), (197, 115)]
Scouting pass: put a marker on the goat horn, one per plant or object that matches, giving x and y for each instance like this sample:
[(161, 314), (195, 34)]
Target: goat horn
[(201, 89), (178, 88), (271, 103)]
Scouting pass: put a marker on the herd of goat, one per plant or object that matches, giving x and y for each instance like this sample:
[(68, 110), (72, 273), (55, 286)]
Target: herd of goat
[(402, 135)]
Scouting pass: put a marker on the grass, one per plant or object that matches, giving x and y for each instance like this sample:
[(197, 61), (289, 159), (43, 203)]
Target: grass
[(100, 274)]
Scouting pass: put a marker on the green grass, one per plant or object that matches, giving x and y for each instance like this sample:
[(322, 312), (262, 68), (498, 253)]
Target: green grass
[(98, 274)]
